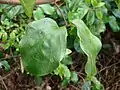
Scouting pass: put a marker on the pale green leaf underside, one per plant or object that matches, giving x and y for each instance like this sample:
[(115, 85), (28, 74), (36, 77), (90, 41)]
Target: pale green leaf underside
[(43, 46), (28, 6), (90, 44)]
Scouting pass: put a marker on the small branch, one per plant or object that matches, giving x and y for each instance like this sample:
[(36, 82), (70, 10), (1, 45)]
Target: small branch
[(109, 66), (10, 57), (61, 13), (3, 83)]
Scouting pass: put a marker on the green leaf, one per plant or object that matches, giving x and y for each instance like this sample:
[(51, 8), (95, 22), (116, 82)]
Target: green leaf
[(97, 28), (116, 12), (65, 82), (77, 45), (90, 17), (94, 3), (118, 3), (28, 6), (4, 36), (14, 11), (5, 46), (90, 45), (47, 8), (5, 64), (113, 24), (74, 77), (99, 14), (86, 85), (74, 5), (38, 80), (97, 84), (67, 60), (79, 13), (46, 46), (87, 1), (38, 14), (68, 51), (12, 35), (100, 4), (1, 34), (63, 71)]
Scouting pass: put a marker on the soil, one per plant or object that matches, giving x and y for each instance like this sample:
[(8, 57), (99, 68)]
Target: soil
[(108, 65)]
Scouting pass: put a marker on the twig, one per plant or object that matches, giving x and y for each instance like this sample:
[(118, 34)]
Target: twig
[(108, 67), (21, 65), (74, 87), (61, 13), (14, 70), (3, 82), (10, 57), (81, 77)]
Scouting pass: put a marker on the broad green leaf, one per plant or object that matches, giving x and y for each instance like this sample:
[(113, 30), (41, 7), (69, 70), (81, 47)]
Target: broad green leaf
[(43, 46), (90, 17), (5, 65), (113, 24), (47, 8), (38, 14), (90, 45), (28, 6)]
